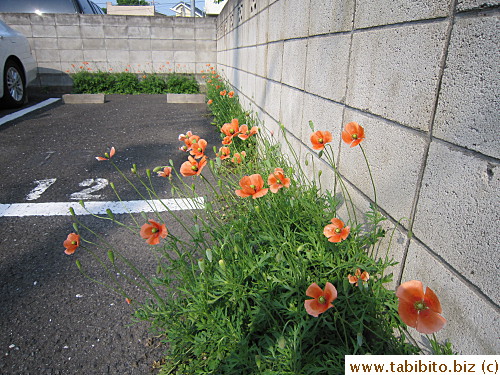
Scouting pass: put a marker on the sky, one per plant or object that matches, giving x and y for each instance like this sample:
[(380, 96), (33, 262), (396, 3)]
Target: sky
[(161, 6)]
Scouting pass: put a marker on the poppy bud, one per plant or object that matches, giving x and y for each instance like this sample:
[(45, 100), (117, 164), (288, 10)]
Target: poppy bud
[(110, 214), (201, 265), (157, 169), (78, 264), (75, 227), (148, 173), (222, 264), (72, 211), (111, 256), (134, 168), (81, 203)]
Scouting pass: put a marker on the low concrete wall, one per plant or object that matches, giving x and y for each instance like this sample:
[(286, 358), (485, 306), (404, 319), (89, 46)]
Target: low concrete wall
[(65, 43), (422, 77)]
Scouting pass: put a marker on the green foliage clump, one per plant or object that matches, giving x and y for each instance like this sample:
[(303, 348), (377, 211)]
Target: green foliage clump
[(87, 82)]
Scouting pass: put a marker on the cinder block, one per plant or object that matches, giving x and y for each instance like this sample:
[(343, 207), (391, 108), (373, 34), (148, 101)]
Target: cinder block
[(275, 60), (158, 32), (72, 55), (94, 55), (139, 32), (294, 62), (327, 64), (325, 115), (291, 109), (111, 20), (261, 59), (116, 44), (69, 43), (184, 56), (205, 45), (384, 12), (334, 16), (65, 32), (204, 56), (463, 5), (92, 31), (47, 55), (296, 18), (45, 19), (394, 71), (262, 26), (139, 20), (119, 55), (45, 43), (260, 92), (162, 44), (205, 34), (184, 45), (112, 31), (183, 32), (163, 57), (139, 44), (272, 99), (63, 19), (468, 111), (139, 57), (43, 31), (184, 22), (457, 214), (94, 44), (15, 18), (23, 29), (276, 27), (395, 155), (251, 31), (91, 19), (161, 22), (49, 67), (472, 322)]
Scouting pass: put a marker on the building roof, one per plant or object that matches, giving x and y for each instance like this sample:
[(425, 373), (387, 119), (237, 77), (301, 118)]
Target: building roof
[(182, 7)]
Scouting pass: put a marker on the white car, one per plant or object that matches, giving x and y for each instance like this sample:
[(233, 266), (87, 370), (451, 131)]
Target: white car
[(18, 68)]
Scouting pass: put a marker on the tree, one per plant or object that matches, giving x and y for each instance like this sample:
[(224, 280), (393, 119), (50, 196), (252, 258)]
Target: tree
[(132, 2)]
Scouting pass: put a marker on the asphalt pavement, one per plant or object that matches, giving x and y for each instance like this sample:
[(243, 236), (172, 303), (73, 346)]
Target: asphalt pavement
[(52, 319)]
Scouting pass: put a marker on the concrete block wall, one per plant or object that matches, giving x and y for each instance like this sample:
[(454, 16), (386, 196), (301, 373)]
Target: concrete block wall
[(422, 77), (62, 43)]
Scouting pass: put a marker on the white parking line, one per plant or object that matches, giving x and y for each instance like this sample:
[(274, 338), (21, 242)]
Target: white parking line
[(22, 112), (99, 208)]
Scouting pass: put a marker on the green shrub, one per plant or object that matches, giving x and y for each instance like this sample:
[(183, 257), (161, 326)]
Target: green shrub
[(86, 82)]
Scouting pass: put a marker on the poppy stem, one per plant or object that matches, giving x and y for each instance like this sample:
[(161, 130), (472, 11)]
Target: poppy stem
[(371, 177)]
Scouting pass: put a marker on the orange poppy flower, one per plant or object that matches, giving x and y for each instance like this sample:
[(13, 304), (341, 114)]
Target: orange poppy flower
[(353, 134), (198, 148), (183, 137), (224, 153), (322, 298), (227, 140), (203, 77), (223, 92), (153, 231), (418, 310), (277, 180), (336, 231), (71, 243), (231, 129), (191, 140), (193, 167), (238, 157), (167, 172), (210, 102), (365, 276), (217, 87), (244, 133), (252, 186), (320, 138), (128, 300), (230, 94), (107, 156)]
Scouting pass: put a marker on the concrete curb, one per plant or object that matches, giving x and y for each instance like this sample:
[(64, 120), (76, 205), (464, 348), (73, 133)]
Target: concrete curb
[(185, 98), (83, 98)]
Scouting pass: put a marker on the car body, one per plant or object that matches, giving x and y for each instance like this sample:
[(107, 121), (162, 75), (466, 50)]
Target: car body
[(18, 68), (50, 6)]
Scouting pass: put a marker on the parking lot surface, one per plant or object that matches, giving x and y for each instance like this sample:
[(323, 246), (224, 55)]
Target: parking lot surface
[(53, 320)]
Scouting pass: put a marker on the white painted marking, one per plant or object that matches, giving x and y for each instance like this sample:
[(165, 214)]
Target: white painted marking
[(99, 208), (42, 185), (25, 111), (100, 183)]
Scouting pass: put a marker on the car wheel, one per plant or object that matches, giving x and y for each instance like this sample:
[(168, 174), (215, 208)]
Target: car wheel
[(14, 85)]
